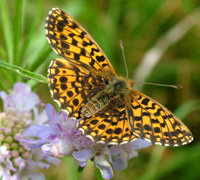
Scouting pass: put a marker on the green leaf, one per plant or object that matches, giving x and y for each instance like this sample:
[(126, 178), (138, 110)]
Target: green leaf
[(32, 29), (7, 35), (24, 72), (17, 30)]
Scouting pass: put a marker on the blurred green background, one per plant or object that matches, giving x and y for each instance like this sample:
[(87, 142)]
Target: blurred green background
[(162, 45)]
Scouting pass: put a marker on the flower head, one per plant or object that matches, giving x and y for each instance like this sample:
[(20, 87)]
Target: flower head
[(62, 138), (22, 108)]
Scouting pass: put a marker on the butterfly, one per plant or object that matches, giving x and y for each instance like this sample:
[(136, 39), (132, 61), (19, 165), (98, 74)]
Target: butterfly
[(86, 86)]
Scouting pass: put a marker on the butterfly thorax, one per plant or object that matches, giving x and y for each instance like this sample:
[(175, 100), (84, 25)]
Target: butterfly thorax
[(116, 88)]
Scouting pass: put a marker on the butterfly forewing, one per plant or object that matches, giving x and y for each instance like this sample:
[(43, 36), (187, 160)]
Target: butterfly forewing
[(150, 120), (72, 42), (85, 75)]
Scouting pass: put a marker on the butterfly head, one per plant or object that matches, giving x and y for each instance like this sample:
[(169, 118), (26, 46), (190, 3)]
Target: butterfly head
[(122, 84)]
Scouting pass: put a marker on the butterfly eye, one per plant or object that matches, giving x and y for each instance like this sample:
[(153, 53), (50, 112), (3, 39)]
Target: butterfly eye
[(118, 85)]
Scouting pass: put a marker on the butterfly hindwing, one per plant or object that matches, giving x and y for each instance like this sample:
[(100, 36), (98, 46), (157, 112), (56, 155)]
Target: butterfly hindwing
[(72, 86), (110, 125), (150, 120)]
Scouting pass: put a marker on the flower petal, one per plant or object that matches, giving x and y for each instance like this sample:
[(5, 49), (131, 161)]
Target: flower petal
[(31, 100), (121, 161), (83, 155), (115, 150), (104, 167), (21, 88), (50, 111), (37, 130), (139, 144), (3, 95)]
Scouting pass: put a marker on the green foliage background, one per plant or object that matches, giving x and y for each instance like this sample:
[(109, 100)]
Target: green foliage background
[(144, 27)]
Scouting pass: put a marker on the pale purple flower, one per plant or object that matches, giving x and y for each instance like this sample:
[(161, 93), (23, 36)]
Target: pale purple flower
[(104, 156), (100, 153), (60, 138), (6, 165), (20, 100), (22, 108), (122, 153)]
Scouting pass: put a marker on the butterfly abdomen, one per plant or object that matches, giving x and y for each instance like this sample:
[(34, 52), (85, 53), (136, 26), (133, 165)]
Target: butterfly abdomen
[(95, 104)]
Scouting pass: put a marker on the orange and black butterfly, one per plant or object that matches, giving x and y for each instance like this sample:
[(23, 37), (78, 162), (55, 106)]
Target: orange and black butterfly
[(85, 85)]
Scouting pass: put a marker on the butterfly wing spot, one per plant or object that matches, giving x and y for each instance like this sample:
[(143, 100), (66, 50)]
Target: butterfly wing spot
[(63, 79), (70, 94), (75, 102)]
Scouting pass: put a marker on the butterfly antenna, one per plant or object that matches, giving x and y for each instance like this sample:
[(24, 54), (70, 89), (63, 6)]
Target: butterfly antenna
[(122, 47), (166, 85)]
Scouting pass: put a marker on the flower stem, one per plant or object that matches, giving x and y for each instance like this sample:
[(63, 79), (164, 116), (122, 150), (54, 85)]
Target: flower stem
[(79, 172)]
